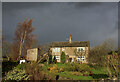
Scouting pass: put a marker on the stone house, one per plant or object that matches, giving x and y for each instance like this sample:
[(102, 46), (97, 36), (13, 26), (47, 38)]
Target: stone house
[(32, 54), (76, 51)]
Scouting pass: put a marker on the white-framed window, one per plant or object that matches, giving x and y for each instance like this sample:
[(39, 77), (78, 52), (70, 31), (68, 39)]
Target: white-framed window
[(78, 59), (82, 58), (63, 50), (81, 49), (56, 49), (57, 57)]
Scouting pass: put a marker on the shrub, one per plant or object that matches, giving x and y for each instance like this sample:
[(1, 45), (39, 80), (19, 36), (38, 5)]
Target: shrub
[(68, 67), (84, 68), (17, 74), (54, 60), (86, 73), (61, 70), (72, 67), (50, 59), (8, 65), (21, 66), (54, 68), (35, 72), (63, 57), (77, 67), (98, 53)]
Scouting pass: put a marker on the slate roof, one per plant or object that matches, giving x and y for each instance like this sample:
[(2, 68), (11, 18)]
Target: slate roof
[(73, 44)]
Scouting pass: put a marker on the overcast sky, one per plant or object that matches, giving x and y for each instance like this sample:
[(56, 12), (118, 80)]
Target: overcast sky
[(0, 16), (94, 22)]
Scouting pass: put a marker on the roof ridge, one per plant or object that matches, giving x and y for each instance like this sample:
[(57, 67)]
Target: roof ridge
[(72, 41)]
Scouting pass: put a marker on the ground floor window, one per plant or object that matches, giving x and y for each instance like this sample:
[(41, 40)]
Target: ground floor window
[(57, 58), (78, 59), (81, 58)]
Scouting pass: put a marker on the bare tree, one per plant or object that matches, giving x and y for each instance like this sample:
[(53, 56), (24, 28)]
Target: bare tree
[(97, 53), (44, 52), (23, 38), (112, 62), (6, 46), (79, 53), (100, 56)]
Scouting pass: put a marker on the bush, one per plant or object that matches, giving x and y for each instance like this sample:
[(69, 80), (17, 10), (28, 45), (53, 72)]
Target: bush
[(8, 65), (35, 72), (50, 59), (63, 57), (61, 70), (98, 53), (54, 68), (84, 68), (77, 67), (68, 67), (54, 60), (86, 73), (17, 74), (72, 67), (21, 66)]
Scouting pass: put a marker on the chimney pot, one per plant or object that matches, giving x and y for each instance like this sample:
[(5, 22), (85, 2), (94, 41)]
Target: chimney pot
[(70, 39)]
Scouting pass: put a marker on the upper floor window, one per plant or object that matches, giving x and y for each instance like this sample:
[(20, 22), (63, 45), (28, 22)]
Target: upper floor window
[(81, 49), (63, 50), (56, 49)]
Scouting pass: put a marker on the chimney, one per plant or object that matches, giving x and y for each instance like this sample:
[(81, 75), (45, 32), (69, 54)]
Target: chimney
[(70, 39)]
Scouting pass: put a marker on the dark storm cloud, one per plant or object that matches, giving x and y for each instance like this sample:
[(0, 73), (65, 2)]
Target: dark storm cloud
[(0, 15), (55, 21)]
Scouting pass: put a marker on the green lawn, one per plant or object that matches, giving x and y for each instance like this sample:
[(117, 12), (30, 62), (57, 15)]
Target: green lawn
[(98, 72), (74, 77)]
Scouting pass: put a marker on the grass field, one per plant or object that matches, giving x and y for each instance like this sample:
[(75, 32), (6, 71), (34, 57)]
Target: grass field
[(97, 72)]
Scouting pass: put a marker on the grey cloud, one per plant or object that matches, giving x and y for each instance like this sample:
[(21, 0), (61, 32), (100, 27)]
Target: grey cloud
[(0, 15), (55, 21)]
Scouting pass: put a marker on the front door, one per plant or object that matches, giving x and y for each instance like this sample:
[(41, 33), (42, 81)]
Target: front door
[(70, 59)]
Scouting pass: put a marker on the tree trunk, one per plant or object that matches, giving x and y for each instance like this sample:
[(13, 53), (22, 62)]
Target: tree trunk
[(20, 48), (23, 40), (110, 75), (21, 44), (108, 68)]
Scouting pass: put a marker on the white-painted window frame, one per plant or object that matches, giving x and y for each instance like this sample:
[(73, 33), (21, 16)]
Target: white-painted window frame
[(81, 48), (56, 50)]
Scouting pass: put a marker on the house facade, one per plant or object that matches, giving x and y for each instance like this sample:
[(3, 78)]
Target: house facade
[(75, 51), (32, 54)]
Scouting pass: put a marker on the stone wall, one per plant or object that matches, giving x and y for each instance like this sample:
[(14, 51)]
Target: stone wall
[(70, 51), (32, 54)]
